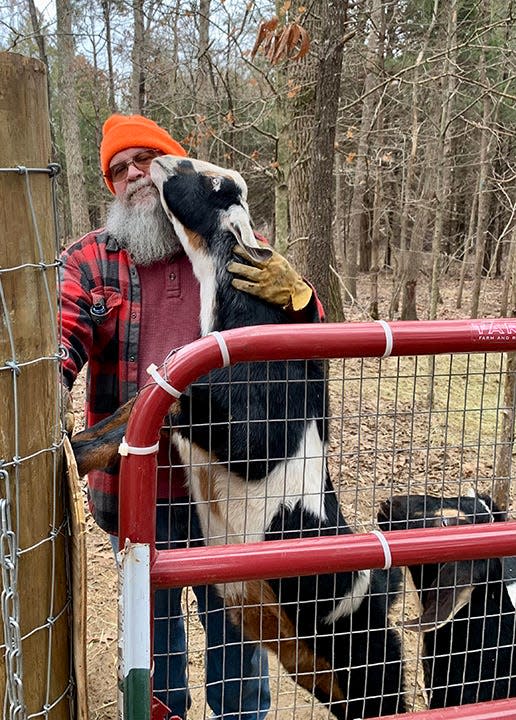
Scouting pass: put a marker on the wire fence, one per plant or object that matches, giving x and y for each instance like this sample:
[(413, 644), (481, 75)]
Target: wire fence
[(37, 679), (415, 443)]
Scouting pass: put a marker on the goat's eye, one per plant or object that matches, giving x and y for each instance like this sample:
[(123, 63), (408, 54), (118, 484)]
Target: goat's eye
[(216, 183)]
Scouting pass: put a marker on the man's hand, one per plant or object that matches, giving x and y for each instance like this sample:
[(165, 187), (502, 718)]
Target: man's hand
[(273, 280)]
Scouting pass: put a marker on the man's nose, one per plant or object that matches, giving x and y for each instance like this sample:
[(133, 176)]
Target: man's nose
[(134, 173)]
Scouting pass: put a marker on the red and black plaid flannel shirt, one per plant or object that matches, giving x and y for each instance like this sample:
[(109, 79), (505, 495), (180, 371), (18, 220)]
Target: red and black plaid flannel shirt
[(100, 315)]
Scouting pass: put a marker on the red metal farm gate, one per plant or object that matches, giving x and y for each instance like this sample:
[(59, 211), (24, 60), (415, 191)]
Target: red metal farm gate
[(425, 408)]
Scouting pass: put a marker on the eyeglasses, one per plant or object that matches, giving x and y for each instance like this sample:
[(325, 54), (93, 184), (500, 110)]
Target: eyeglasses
[(142, 160)]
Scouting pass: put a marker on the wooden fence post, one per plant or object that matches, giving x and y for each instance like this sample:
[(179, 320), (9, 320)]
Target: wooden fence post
[(36, 671)]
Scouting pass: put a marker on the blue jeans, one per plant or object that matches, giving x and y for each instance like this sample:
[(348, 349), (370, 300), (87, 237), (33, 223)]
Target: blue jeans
[(237, 672)]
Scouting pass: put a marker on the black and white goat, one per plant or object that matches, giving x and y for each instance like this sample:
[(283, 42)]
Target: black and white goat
[(468, 618), (254, 437)]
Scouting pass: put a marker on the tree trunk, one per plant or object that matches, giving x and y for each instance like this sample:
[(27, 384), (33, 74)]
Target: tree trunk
[(468, 244), (508, 281), (106, 14), (412, 256), (171, 90), (282, 157), (42, 52), (375, 244), (444, 173), (362, 158), (503, 474), (322, 177), (138, 60), (301, 78), (340, 227), (283, 162), (484, 187), (378, 210), (283, 166), (410, 259), (502, 487), (70, 121), (203, 81)]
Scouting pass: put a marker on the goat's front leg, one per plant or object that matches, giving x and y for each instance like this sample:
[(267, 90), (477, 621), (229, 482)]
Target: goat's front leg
[(97, 447), (264, 620)]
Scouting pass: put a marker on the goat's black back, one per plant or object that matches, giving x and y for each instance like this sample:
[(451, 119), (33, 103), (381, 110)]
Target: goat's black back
[(253, 415)]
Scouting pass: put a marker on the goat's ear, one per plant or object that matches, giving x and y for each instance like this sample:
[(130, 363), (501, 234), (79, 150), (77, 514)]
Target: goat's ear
[(449, 594), (237, 221)]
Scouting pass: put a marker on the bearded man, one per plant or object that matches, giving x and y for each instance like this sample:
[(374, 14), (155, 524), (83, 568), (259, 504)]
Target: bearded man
[(129, 297)]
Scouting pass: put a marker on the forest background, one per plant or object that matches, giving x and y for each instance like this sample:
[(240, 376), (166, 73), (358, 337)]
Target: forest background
[(381, 161), (387, 149)]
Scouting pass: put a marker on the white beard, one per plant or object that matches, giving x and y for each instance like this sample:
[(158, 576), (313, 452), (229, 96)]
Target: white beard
[(139, 224)]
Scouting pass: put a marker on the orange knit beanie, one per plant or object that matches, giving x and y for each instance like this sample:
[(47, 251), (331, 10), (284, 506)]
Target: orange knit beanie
[(124, 131)]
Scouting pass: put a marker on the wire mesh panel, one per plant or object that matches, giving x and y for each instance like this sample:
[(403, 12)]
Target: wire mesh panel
[(397, 444)]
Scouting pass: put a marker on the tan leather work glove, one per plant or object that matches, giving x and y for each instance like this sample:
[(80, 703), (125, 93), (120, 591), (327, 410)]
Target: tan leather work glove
[(68, 411), (273, 280)]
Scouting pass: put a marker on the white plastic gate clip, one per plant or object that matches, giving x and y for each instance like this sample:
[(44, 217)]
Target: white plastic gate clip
[(389, 340), (153, 372), (223, 347), (386, 549), (125, 449)]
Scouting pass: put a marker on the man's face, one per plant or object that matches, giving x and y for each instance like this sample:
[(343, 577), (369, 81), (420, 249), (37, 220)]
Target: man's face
[(130, 175), (135, 217)]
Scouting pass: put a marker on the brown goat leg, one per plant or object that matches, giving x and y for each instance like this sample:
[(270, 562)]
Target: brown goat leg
[(97, 447), (264, 621)]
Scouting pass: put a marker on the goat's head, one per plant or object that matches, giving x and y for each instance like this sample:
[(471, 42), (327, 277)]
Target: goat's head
[(403, 512), (202, 201), (446, 587)]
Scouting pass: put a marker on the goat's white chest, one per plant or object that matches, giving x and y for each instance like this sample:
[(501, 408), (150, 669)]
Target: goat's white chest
[(233, 510), (204, 270)]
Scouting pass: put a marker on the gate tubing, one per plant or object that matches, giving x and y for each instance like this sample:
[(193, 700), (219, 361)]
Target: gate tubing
[(329, 554), (206, 565), (281, 342)]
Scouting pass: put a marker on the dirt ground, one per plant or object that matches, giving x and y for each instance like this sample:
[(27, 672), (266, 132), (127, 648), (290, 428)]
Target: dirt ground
[(288, 701)]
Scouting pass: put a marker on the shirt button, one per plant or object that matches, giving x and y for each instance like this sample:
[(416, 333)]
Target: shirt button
[(133, 315), (172, 276), (131, 358)]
